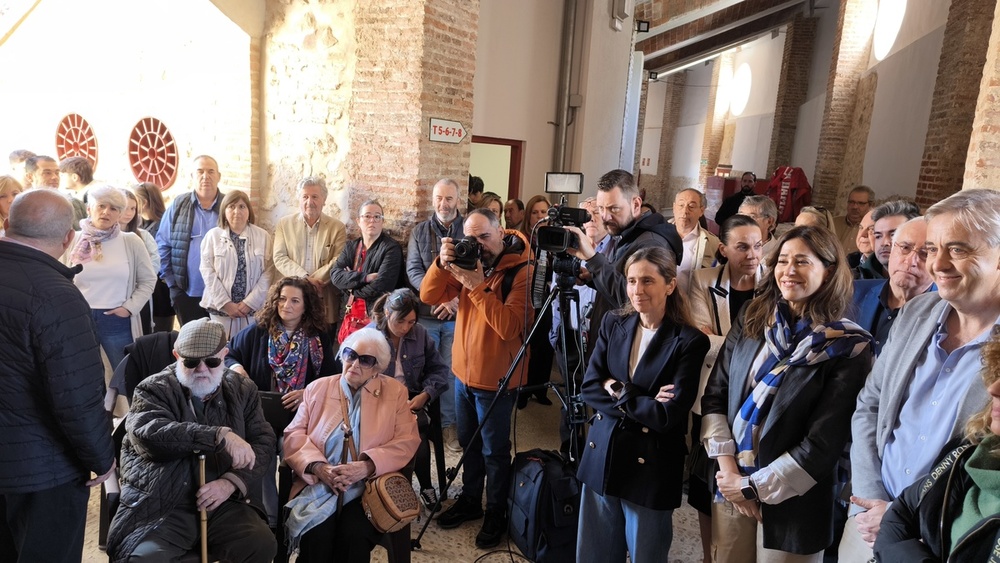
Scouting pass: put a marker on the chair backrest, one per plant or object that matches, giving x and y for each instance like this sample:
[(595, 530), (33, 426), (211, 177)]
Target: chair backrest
[(147, 356)]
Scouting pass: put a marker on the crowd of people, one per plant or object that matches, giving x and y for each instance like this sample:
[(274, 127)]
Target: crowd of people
[(829, 390)]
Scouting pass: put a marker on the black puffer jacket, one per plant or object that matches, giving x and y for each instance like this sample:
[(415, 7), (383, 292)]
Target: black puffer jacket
[(424, 248), (159, 454), (53, 426), (911, 530)]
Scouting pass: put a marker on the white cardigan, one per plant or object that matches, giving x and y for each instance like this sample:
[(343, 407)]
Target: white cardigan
[(141, 276), (218, 267)]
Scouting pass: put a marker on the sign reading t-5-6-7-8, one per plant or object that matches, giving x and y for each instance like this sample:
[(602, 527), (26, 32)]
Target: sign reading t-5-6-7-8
[(445, 131)]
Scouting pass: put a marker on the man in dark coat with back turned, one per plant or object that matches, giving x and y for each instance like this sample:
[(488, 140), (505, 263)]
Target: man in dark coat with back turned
[(53, 428), (194, 406)]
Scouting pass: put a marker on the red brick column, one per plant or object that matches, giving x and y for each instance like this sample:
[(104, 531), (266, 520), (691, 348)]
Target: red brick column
[(672, 100), (850, 57), (793, 86), (715, 121), (953, 107), (640, 129), (982, 165)]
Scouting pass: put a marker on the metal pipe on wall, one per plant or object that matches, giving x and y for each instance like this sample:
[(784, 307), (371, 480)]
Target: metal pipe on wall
[(565, 74)]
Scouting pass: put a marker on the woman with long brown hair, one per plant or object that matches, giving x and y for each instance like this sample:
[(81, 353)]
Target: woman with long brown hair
[(541, 351), (777, 409)]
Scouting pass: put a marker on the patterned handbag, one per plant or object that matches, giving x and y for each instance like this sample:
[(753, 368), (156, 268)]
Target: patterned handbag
[(389, 501)]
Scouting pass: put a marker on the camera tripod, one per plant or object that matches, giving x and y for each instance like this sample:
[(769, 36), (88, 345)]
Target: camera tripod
[(571, 401)]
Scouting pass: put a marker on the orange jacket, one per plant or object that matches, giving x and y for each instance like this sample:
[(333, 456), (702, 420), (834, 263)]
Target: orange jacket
[(488, 331)]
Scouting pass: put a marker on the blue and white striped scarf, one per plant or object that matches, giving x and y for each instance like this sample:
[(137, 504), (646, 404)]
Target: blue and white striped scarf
[(803, 344)]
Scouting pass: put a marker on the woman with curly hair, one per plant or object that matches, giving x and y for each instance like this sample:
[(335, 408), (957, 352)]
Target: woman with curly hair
[(951, 513), (288, 347)]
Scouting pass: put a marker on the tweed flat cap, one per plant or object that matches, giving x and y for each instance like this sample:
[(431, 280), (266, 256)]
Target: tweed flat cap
[(200, 339)]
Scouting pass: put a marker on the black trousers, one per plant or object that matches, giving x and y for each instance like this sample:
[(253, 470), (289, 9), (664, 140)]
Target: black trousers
[(236, 532), (187, 307), (347, 537), (44, 525)]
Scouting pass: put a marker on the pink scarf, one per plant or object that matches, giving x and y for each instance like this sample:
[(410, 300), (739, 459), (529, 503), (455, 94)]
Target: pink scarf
[(88, 245)]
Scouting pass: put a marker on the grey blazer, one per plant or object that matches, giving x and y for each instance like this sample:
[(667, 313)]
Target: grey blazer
[(881, 400)]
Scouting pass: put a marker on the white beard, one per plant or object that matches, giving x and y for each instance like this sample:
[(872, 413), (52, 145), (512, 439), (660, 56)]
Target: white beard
[(200, 385)]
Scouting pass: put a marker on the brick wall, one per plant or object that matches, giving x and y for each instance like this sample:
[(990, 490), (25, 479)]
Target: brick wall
[(856, 147), (676, 84), (793, 85), (953, 107), (307, 84), (850, 57), (641, 127), (982, 165), (450, 31), (715, 122)]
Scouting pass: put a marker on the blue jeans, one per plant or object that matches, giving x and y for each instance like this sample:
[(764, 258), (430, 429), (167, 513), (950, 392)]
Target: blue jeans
[(489, 458), (443, 334), (611, 525), (114, 333)]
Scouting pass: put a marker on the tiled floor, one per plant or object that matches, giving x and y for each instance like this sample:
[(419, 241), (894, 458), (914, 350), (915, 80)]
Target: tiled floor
[(534, 427)]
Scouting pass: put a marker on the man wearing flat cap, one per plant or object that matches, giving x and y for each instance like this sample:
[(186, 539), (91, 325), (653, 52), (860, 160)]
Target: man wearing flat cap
[(194, 406)]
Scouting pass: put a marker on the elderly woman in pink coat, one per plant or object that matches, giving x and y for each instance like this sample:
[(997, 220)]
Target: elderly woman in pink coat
[(385, 432)]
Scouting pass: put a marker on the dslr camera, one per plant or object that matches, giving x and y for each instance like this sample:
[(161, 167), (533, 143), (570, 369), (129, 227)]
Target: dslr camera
[(467, 251)]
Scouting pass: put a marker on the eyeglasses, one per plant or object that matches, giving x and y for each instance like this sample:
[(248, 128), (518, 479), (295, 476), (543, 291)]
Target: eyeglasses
[(905, 249), (366, 360), (370, 217), (857, 203), (211, 362)]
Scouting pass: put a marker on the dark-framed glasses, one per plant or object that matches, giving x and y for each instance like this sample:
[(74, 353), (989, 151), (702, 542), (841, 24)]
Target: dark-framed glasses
[(211, 362), (366, 360), (905, 249)]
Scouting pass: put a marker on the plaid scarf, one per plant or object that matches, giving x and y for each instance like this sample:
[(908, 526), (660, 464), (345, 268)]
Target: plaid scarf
[(289, 356), (801, 344)]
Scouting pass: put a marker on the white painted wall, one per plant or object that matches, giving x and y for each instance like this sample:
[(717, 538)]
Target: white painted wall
[(516, 81), (752, 137), (691, 123), (597, 138), (195, 79), (899, 119), (655, 95)]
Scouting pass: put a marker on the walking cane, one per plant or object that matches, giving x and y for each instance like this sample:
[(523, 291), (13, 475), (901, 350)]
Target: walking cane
[(204, 512)]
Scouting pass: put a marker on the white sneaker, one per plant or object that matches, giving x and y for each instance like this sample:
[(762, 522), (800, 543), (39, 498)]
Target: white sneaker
[(450, 437)]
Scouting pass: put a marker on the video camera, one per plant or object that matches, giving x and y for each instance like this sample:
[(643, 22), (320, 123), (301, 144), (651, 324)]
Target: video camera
[(553, 237)]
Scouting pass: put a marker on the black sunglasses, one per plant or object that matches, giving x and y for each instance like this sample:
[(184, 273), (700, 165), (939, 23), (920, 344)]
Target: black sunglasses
[(210, 362), (366, 361)]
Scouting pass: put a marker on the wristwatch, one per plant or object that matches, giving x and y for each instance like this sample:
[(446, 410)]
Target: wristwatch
[(748, 489)]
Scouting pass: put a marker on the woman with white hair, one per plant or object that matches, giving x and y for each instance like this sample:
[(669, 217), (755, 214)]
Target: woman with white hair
[(385, 432), (117, 277)]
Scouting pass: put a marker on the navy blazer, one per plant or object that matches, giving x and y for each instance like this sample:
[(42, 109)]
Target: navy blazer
[(636, 445), (809, 420)]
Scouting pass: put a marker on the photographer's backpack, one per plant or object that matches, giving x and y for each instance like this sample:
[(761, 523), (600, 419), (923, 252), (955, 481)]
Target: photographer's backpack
[(544, 506)]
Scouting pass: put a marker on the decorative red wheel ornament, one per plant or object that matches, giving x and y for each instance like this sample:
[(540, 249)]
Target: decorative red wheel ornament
[(152, 153), (75, 137)]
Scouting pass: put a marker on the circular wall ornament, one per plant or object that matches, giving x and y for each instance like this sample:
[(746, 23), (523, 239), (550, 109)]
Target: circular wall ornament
[(152, 153), (75, 137)]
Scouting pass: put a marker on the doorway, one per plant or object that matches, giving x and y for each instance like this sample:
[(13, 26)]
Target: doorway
[(498, 162)]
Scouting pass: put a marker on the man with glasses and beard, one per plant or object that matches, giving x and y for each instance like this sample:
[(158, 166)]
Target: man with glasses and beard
[(193, 406), (620, 207)]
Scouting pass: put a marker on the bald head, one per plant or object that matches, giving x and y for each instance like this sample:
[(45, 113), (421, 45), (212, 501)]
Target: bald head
[(43, 219)]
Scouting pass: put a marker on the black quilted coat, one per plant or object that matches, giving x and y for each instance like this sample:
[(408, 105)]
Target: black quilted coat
[(53, 426), (159, 453)]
